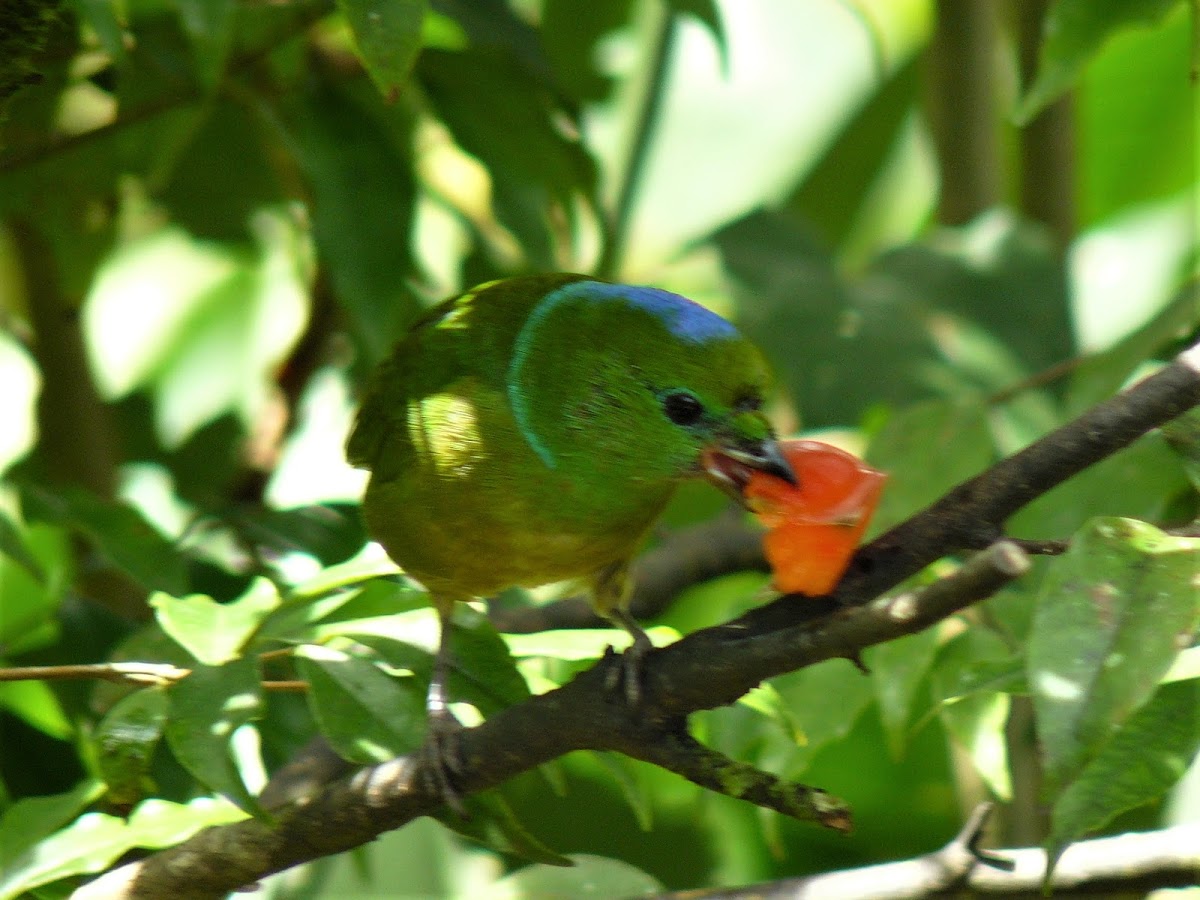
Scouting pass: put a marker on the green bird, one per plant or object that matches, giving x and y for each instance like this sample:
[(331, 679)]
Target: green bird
[(531, 430)]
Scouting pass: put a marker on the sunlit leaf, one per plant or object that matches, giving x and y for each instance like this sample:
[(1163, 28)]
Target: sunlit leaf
[(95, 840), (1113, 613), (367, 715), (35, 703), (30, 820), (204, 710), (214, 632), (1074, 30)]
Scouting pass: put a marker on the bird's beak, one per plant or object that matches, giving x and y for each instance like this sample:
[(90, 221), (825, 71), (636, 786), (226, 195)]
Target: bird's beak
[(729, 465)]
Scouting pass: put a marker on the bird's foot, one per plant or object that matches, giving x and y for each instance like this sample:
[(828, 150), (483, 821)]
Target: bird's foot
[(442, 754), (626, 675)]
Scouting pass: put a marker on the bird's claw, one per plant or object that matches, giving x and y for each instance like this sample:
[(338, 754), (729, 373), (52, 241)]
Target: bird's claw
[(625, 675), (442, 754)]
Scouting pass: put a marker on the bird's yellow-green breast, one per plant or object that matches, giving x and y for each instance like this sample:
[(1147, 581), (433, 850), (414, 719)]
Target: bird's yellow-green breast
[(532, 429)]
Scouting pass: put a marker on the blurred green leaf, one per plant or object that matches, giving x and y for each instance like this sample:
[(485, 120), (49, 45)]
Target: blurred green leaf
[(1136, 116), (120, 532), (505, 115), (35, 703), (897, 669), (826, 701), (30, 820), (344, 574), (388, 36), (204, 710), (954, 434), (972, 678), (95, 840), (210, 26), (330, 532), (571, 32), (493, 823), (1144, 760), (625, 774), (125, 741), (590, 876), (1183, 436), (1073, 31), (12, 546), (215, 633), (104, 18), (708, 12), (367, 715), (1110, 620), (1137, 482), (358, 167)]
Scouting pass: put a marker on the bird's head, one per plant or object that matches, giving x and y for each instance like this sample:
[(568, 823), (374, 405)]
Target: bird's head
[(636, 385)]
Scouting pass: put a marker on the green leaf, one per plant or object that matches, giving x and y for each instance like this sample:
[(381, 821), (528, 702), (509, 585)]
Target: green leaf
[(30, 613), (826, 700), (625, 774), (388, 36), (897, 669), (1143, 761), (591, 876), (120, 532), (1112, 614), (342, 147), (1183, 436), (1073, 32), (708, 12), (204, 710), (125, 741), (330, 532), (505, 115), (570, 32), (954, 434), (209, 24), (215, 633), (332, 578), (12, 546), (95, 840), (102, 16), (972, 678), (36, 704), (367, 715), (493, 823), (28, 821)]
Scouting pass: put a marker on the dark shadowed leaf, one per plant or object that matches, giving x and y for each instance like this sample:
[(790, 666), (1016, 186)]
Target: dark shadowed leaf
[(388, 36), (1143, 761), (494, 824), (125, 741)]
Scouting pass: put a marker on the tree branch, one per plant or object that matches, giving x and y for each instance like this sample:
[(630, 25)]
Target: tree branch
[(1127, 865), (705, 669)]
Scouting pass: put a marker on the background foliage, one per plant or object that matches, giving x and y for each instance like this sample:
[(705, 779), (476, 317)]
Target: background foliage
[(951, 226)]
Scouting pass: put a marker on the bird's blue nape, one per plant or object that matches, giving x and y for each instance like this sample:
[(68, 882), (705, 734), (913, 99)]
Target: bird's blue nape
[(684, 318)]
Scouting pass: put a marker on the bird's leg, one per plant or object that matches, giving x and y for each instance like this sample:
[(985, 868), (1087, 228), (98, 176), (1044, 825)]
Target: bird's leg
[(630, 672), (610, 596), (442, 752)]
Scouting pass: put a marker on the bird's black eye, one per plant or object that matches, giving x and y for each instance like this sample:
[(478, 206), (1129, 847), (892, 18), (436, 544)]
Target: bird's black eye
[(682, 408)]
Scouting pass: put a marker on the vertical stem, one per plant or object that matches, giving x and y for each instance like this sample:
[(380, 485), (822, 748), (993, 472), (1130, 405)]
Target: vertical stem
[(1047, 143), (616, 232), (960, 99)]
